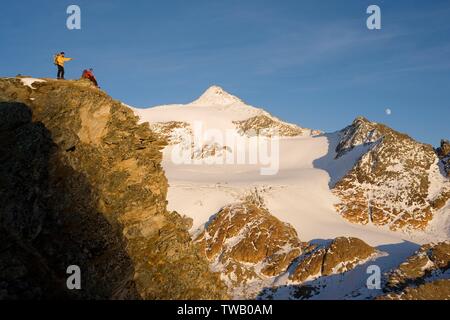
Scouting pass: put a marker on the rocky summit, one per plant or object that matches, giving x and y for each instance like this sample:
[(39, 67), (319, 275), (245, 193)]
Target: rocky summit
[(81, 184), (391, 183), (247, 244)]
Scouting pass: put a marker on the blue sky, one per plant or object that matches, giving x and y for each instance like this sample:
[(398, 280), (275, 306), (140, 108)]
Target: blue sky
[(313, 63)]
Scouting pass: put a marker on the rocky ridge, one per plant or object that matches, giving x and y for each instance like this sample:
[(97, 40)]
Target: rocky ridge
[(82, 184), (269, 126), (251, 248), (424, 275), (173, 132), (338, 256), (95, 181), (390, 184)]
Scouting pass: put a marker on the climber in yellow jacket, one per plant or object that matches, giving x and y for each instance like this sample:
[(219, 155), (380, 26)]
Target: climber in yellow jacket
[(60, 59)]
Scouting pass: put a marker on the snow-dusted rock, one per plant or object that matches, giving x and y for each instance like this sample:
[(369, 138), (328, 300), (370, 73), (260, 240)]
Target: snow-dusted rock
[(340, 255), (266, 125), (390, 184), (424, 275), (246, 244), (444, 154)]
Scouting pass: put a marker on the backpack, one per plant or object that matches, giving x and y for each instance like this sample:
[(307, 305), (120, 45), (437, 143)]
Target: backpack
[(55, 57)]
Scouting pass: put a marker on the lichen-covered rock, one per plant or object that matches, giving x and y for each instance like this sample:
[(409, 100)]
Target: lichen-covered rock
[(389, 184), (82, 184), (340, 255)]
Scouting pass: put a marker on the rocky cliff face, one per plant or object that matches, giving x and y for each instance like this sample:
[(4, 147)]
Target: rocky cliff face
[(424, 275), (82, 185), (392, 184)]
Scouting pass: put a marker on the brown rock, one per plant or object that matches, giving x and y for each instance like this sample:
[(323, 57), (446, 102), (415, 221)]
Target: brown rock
[(245, 235), (430, 259), (435, 290), (341, 255), (82, 183), (310, 266), (389, 184), (444, 150), (344, 254), (264, 125)]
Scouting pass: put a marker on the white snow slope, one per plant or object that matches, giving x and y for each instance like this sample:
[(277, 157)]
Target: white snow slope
[(298, 194)]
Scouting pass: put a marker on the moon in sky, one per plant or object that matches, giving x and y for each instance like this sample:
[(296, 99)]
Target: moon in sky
[(388, 111)]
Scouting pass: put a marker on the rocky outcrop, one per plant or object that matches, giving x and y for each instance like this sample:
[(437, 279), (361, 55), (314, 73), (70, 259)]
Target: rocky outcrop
[(173, 132), (180, 133), (312, 272), (444, 154), (82, 185), (430, 262), (211, 150), (245, 242), (360, 132), (444, 150), (389, 184), (435, 290), (424, 275), (268, 126), (443, 197), (340, 255), (251, 248)]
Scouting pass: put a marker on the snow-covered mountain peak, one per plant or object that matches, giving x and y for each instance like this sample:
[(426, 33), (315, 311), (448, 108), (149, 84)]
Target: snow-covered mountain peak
[(219, 110), (360, 119), (216, 96)]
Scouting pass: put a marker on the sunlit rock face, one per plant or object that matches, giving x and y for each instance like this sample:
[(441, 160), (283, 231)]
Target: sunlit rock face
[(390, 184), (424, 275), (82, 184)]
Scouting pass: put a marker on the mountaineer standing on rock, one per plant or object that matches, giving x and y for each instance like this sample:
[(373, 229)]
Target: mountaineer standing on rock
[(59, 61)]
